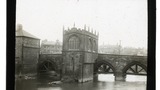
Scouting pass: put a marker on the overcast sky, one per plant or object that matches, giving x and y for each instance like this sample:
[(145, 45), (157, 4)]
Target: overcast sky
[(115, 20)]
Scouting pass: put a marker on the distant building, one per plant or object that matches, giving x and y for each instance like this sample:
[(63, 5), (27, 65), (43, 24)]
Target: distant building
[(51, 47), (27, 52), (108, 49), (134, 51), (117, 49)]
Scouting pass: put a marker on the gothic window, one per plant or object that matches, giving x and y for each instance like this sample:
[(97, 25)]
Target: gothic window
[(94, 47), (74, 43), (89, 45)]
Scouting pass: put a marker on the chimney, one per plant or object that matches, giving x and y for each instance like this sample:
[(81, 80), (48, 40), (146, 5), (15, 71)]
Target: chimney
[(19, 27)]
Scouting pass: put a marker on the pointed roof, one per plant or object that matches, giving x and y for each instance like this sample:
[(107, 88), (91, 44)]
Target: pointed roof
[(21, 32)]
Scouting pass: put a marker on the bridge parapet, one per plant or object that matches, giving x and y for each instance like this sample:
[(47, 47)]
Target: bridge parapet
[(122, 58)]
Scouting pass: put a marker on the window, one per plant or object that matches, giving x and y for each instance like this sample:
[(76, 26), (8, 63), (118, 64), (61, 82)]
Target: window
[(89, 45), (94, 47), (74, 43)]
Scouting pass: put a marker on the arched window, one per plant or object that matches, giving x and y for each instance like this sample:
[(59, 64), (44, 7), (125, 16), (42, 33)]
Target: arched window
[(94, 46), (74, 43), (89, 45)]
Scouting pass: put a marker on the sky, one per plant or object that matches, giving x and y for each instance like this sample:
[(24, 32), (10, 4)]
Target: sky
[(115, 20)]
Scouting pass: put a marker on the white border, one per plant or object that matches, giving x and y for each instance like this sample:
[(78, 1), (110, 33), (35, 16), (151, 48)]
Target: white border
[(3, 44)]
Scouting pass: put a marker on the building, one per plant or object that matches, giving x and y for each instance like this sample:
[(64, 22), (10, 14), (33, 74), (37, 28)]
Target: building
[(109, 49), (27, 52), (117, 49), (134, 51), (79, 60), (80, 50), (51, 47)]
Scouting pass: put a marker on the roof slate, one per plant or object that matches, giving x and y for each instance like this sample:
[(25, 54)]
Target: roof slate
[(25, 34)]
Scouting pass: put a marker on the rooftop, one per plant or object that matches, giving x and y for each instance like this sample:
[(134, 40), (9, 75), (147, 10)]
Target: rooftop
[(21, 32), (83, 31)]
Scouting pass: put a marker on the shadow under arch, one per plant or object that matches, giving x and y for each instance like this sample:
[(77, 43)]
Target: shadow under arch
[(138, 67), (99, 63), (47, 65)]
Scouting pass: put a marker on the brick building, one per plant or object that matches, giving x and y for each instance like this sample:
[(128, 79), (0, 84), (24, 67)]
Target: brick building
[(27, 52)]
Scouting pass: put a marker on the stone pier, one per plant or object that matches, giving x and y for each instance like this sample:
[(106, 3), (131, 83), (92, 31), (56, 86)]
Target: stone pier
[(119, 76)]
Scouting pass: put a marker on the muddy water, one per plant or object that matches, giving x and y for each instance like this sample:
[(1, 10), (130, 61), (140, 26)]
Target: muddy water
[(104, 82)]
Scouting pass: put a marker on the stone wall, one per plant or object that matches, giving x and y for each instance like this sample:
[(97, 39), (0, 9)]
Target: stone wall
[(87, 72), (30, 59), (18, 47), (72, 64), (27, 55), (31, 51)]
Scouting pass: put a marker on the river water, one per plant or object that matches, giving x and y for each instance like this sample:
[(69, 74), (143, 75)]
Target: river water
[(104, 82)]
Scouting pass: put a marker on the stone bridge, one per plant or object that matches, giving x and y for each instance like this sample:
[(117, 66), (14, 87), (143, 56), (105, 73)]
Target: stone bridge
[(118, 65)]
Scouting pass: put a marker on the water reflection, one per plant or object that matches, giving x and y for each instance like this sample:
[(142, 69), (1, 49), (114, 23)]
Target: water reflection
[(50, 88), (26, 84), (106, 77), (129, 78), (105, 82), (134, 78)]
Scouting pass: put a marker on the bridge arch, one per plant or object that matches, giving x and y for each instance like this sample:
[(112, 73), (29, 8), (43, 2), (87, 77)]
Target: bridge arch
[(47, 65), (103, 67), (135, 68)]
